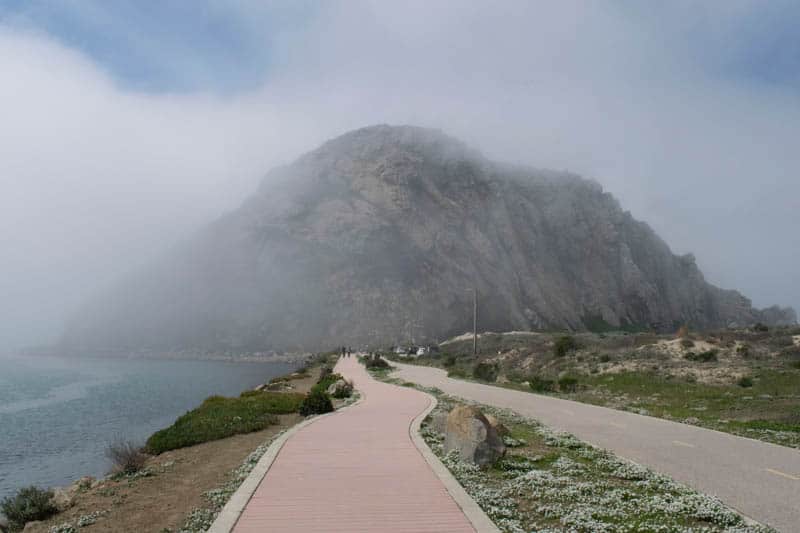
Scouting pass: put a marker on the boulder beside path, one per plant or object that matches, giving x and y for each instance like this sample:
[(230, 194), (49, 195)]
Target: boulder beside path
[(470, 433)]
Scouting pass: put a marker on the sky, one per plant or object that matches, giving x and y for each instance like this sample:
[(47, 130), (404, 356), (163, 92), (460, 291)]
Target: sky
[(127, 125)]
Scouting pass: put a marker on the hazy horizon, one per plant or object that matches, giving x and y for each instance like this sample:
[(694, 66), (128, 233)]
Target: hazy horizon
[(123, 133)]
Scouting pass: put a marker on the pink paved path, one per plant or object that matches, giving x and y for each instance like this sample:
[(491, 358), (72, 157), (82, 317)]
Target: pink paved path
[(357, 470)]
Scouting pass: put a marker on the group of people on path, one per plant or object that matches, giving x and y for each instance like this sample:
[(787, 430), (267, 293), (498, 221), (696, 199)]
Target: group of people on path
[(346, 351)]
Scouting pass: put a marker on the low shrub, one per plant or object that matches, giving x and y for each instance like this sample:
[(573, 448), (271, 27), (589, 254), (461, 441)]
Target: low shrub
[(605, 358), (791, 351), (687, 343), (568, 384), (565, 345), (781, 341), (760, 327), (485, 372), (316, 403), (702, 357), (795, 364), (125, 457), (375, 362), (28, 505), (343, 390), (745, 381), (325, 372), (457, 372), (743, 350), (324, 382), (450, 360), (538, 384), (219, 417)]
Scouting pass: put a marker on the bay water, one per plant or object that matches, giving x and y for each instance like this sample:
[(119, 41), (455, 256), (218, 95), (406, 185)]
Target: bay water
[(57, 416)]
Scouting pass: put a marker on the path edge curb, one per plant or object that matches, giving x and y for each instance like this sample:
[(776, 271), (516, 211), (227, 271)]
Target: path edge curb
[(229, 515), (479, 520)]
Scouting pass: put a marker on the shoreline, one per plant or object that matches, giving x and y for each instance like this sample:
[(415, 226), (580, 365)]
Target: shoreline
[(198, 470), (250, 357)]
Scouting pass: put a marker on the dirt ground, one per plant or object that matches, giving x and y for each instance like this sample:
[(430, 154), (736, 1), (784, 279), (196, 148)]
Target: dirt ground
[(162, 501)]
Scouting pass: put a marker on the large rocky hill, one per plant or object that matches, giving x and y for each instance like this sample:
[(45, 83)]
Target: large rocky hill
[(380, 234)]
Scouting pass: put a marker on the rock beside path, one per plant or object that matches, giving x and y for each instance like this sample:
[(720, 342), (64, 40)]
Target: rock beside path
[(470, 433), (438, 421), (340, 383), (498, 426)]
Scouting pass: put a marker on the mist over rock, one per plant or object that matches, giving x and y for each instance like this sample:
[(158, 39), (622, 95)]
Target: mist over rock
[(379, 235)]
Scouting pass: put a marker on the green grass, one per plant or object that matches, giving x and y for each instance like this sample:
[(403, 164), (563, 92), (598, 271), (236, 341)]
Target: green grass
[(768, 410), (219, 417)]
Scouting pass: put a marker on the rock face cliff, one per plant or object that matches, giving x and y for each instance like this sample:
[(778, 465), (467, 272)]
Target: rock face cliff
[(380, 234)]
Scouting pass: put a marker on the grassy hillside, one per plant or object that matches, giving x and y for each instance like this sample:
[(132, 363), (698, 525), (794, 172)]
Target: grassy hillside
[(744, 381)]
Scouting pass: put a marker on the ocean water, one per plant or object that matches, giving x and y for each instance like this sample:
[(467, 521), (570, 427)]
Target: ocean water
[(58, 415)]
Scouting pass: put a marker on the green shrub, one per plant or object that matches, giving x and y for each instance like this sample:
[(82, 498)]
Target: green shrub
[(702, 357), (343, 390), (450, 360), (28, 505), (485, 372), (743, 350), (324, 372), (324, 382), (745, 381), (457, 372), (781, 341), (795, 364), (605, 358), (564, 345), (316, 403), (568, 384), (760, 327), (219, 417), (538, 384), (125, 457), (687, 343), (375, 362), (791, 351)]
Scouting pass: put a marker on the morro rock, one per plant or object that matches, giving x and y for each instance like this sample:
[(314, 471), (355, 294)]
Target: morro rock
[(377, 236)]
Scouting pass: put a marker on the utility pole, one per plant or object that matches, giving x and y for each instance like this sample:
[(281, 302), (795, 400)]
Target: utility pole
[(474, 322)]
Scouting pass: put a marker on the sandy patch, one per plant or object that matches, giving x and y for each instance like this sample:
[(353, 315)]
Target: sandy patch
[(468, 336), (676, 349)]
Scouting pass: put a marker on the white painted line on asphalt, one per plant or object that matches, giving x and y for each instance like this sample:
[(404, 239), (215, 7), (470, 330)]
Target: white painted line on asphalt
[(783, 474), (681, 443), (617, 425)]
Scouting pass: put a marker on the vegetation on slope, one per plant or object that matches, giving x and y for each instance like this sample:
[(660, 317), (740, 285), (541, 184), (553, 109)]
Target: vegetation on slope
[(27, 505), (744, 381), (219, 417)]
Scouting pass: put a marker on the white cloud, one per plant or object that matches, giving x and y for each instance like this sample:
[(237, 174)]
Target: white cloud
[(95, 179)]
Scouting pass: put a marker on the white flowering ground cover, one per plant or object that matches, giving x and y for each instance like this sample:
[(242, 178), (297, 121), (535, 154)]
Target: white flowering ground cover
[(200, 519), (550, 482)]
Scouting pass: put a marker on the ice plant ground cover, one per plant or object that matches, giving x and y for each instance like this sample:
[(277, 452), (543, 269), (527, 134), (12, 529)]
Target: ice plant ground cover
[(550, 481)]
